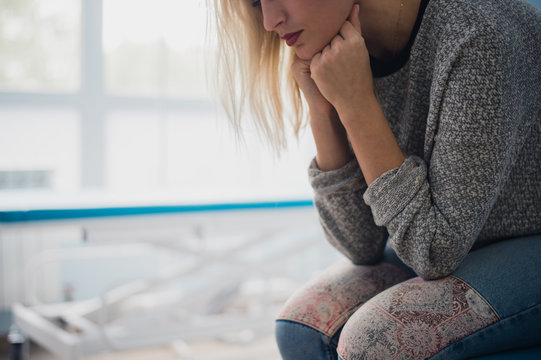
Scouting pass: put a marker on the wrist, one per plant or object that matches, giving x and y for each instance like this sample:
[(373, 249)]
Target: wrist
[(322, 111), (357, 115), (332, 145)]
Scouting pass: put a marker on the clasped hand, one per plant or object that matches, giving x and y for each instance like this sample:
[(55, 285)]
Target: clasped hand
[(340, 72)]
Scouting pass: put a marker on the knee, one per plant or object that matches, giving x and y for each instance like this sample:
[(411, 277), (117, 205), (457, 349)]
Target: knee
[(385, 327), (326, 302), (368, 334), (416, 319)]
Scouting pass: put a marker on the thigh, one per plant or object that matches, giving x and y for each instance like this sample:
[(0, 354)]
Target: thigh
[(326, 302), (491, 303), (506, 275)]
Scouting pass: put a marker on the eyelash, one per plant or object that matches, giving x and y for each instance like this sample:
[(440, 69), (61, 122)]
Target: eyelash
[(256, 3)]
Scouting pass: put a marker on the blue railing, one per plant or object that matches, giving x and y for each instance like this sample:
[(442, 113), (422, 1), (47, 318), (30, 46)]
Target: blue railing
[(18, 216)]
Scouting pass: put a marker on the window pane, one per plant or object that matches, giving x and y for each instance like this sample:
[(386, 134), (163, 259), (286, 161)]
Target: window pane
[(204, 155), (155, 48), (196, 156), (40, 45), (39, 149), (133, 151)]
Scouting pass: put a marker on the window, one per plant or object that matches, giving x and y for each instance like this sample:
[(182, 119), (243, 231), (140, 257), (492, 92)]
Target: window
[(111, 94), (40, 45), (155, 49), (42, 142), (39, 73)]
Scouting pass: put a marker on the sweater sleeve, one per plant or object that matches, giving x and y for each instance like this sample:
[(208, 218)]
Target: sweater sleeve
[(346, 220), (435, 208)]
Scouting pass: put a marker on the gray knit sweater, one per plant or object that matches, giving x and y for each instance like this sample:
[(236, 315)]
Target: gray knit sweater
[(466, 111)]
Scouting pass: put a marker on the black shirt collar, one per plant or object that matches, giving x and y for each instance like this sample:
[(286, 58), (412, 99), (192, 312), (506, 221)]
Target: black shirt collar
[(381, 68)]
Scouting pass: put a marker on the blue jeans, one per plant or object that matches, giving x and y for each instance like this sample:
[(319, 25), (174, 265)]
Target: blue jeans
[(492, 303)]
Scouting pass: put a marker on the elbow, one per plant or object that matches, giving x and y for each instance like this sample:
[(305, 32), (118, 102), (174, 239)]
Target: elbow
[(434, 270), (432, 273), (436, 257), (357, 251), (364, 253)]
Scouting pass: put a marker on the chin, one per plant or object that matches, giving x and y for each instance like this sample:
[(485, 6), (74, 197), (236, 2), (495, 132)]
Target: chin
[(305, 53)]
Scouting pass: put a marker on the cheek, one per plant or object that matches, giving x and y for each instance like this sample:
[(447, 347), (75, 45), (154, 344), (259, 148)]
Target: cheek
[(329, 21), (327, 30), (322, 37)]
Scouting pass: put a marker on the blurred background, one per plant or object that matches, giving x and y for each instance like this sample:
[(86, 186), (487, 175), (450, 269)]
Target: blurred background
[(117, 166), (112, 94)]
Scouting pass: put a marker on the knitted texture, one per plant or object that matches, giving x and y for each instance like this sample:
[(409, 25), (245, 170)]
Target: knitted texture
[(466, 112)]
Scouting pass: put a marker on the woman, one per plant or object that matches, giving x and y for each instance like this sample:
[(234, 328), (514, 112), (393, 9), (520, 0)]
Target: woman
[(426, 117)]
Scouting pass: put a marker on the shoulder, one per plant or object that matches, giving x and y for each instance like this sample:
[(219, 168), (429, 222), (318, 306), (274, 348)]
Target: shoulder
[(505, 23), (498, 13), (504, 35)]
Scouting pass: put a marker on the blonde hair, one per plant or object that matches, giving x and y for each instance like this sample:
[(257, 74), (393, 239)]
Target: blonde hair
[(253, 69)]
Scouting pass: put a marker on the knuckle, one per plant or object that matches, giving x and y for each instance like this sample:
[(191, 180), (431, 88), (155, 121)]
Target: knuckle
[(359, 41)]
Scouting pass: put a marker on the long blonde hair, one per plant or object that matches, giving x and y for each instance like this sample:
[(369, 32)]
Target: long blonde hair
[(253, 69)]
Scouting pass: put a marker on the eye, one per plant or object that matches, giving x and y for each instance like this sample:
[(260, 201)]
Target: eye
[(256, 3)]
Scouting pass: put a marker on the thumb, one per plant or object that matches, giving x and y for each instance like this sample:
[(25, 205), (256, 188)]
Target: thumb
[(354, 18), (300, 69)]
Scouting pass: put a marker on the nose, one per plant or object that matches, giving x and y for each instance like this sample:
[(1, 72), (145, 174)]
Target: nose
[(273, 14)]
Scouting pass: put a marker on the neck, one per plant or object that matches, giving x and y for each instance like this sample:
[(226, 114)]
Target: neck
[(387, 25)]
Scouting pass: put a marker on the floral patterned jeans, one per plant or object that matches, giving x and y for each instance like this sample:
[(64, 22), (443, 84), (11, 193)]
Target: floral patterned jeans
[(492, 303)]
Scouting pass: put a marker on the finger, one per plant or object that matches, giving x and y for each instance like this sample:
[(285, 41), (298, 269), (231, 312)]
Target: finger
[(315, 59), (326, 50), (354, 18), (300, 68), (301, 62), (335, 41), (348, 31)]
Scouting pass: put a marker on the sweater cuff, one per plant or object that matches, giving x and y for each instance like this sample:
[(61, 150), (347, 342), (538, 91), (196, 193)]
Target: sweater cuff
[(348, 177), (389, 194)]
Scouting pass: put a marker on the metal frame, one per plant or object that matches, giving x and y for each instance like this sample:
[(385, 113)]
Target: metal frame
[(102, 324)]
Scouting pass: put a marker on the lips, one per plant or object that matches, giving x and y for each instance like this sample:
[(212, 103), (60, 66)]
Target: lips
[(291, 38)]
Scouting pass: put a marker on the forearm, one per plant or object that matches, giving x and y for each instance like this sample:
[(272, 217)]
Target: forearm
[(373, 142), (332, 146), (345, 218)]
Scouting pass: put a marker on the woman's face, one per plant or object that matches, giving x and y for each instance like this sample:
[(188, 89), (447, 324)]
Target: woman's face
[(306, 25)]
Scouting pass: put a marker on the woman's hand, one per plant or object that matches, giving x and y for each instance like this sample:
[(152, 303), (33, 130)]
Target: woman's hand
[(301, 72), (341, 71), (330, 137)]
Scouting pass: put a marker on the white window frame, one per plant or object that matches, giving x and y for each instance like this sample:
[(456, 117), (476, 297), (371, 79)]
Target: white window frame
[(92, 102)]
